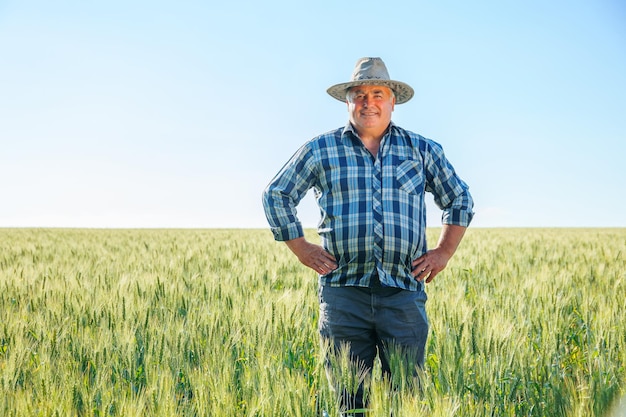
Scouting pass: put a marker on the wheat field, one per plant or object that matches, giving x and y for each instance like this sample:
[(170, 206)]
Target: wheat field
[(524, 322)]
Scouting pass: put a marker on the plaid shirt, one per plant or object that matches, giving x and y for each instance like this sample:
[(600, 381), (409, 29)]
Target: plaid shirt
[(373, 214)]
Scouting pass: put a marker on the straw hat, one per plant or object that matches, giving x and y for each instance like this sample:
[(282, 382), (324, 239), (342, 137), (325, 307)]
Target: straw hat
[(372, 71)]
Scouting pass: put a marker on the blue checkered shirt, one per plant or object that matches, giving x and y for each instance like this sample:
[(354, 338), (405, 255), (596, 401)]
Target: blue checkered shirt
[(373, 213)]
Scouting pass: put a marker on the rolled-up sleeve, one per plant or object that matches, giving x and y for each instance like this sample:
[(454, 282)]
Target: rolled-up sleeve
[(451, 194), (284, 193)]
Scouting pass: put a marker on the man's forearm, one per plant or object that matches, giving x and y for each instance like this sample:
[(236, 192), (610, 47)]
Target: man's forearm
[(296, 245), (450, 238)]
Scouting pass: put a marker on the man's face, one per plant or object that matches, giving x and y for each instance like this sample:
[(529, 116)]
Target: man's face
[(370, 107)]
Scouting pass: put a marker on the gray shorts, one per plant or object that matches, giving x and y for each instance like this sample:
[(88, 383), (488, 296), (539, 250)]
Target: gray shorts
[(371, 320)]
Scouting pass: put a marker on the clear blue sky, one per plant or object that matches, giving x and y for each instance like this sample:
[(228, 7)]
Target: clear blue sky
[(177, 114)]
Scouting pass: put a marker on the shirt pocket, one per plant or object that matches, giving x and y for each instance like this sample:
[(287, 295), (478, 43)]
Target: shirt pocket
[(410, 177)]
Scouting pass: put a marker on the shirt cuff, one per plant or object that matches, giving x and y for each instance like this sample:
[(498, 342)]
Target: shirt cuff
[(288, 232), (457, 217)]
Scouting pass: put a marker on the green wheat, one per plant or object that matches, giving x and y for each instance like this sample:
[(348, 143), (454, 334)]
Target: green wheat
[(524, 322)]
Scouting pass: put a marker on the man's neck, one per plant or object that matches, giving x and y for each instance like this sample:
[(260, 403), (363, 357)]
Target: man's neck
[(371, 138)]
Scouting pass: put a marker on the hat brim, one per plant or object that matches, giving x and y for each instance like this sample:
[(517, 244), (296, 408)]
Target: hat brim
[(402, 91)]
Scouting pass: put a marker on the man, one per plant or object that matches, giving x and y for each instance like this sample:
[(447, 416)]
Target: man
[(369, 179)]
